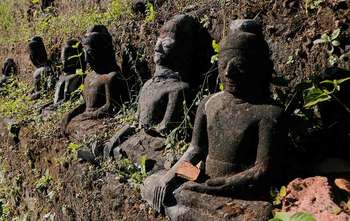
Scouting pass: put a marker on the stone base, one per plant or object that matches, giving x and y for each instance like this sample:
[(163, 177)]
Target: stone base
[(142, 144), (202, 207)]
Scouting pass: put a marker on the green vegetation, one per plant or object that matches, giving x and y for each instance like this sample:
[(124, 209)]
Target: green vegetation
[(278, 195), (323, 91), (43, 184), (331, 41), (282, 216)]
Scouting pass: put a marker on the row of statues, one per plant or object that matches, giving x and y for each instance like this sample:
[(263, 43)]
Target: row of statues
[(235, 131)]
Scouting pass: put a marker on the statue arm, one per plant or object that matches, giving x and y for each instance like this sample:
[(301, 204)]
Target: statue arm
[(174, 100)]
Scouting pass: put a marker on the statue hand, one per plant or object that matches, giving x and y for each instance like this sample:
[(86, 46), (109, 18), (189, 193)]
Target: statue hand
[(159, 195), (203, 188), (219, 181)]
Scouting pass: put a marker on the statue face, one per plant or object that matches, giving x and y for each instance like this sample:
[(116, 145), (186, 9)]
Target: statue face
[(90, 55), (164, 49)]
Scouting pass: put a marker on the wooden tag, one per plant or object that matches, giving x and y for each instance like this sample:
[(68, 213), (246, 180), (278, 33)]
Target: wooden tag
[(187, 171)]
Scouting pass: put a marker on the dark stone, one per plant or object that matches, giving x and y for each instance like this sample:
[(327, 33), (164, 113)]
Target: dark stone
[(44, 76), (105, 87), (177, 76), (46, 3), (72, 59), (9, 69), (236, 133)]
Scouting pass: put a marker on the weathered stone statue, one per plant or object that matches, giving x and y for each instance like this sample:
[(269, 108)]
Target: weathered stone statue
[(234, 136), (9, 69), (73, 59), (44, 77), (161, 97), (105, 87), (46, 3)]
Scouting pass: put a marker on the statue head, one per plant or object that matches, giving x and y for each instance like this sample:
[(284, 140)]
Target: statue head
[(37, 52), (175, 45), (73, 57), (9, 68), (245, 67), (99, 50)]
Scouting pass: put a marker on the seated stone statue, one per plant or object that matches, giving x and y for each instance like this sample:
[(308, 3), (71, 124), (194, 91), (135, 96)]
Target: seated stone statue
[(234, 136), (105, 88), (44, 77), (73, 59), (46, 3), (9, 69), (182, 58), (161, 98)]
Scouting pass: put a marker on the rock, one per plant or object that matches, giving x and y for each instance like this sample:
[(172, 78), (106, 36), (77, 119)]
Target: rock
[(141, 144), (313, 195)]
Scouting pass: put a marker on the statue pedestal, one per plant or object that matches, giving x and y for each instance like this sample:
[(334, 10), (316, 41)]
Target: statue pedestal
[(198, 206)]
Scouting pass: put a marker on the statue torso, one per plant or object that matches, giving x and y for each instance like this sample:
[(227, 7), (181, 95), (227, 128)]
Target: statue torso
[(233, 133), (153, 99), (94, 91)]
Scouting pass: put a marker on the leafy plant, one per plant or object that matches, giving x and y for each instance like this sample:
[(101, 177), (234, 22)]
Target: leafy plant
[(278, 195), (73, 147), (216, 48), (300, 216), (332, 41), (150, 13), (322, 92), (312, 4), (44, 182)]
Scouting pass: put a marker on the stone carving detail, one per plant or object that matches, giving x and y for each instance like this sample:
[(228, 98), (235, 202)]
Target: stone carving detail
[(44, 77), (235, 133), (9, 69), (105, 88)]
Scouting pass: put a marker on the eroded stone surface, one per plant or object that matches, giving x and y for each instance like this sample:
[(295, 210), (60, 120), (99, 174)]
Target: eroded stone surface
[(236, 133), (44, 77), (313, 195), (105, 88), (174, 81)]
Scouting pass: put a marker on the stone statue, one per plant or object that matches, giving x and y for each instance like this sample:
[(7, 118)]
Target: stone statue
[(182, 57), (105, 88), (161, 98), (44, 77), (73, 59), (9, 69), (235, 133), (46, 3)]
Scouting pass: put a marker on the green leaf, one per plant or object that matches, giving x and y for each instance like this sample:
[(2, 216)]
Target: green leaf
[(143, 160), (320, 41), (342, 80), (275, 219), (335, 34), (283, 191), (76, 45), (221, 87), (79, 72), (325, 37), (35, 1), (215, 46), (335, 43), (301, 216), (75, 56), (314, 96), (282, 216)]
